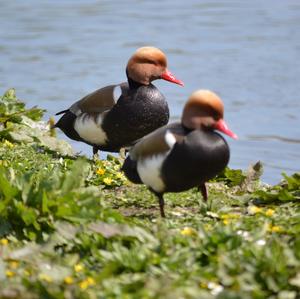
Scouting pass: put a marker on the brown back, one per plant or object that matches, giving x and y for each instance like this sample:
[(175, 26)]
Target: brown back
[(96, 102), (155, 142)]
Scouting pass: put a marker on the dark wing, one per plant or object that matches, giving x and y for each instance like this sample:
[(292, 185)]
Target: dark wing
[(158, 142), (98, 101)]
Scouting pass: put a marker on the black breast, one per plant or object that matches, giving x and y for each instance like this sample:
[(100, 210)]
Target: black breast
[(138, 112), (200, 157)]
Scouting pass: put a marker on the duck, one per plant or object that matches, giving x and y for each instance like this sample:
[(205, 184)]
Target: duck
[(185, 154), (115, 116)]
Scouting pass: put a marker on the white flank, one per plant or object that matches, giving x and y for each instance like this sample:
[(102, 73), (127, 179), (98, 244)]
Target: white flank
[(117, 92), (89, 130), (170, 139), (149, 171)]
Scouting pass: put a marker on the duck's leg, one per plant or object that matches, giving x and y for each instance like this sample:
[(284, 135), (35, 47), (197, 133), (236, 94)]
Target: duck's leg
[(161, 202), (122, 153), (161, 205), (95, 153), (203, 190)]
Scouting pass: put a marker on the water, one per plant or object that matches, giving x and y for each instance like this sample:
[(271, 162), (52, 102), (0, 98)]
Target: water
[(54, 52)]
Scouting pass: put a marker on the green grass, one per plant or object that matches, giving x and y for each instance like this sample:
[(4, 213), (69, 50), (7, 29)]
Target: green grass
[(74, 228)]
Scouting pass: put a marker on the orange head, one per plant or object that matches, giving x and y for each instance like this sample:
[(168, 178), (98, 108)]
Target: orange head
[(148, 64), (204, 109)]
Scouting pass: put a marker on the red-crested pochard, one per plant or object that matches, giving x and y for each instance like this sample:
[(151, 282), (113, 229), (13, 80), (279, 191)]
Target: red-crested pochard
[(115, 116), (185, 154)]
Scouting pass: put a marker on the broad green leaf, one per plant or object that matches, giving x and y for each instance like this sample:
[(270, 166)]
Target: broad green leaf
[(45, 202), (76, 176), (6, 189)]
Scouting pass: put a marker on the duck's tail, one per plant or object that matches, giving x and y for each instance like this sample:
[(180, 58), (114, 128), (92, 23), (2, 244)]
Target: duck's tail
[(61, 112)]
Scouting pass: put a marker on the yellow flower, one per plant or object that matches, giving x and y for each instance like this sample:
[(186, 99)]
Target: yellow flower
[(269, 212), (254, 210), (203, 285), (275, 229), (188, 231), (9, 273), (120, 175), (86, 283), (8, 144), (45, 277), (207, 226), (83, 284), (100, 171), (26, 272), (3, 242), (14, 264), (91, 280), (230, 216), (107, 181), (78, 267), (68, 280), (226, 221)]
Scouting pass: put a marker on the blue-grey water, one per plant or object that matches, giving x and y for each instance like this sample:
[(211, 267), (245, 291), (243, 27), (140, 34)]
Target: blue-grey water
[(54, 52)]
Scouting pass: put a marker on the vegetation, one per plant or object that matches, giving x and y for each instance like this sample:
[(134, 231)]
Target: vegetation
[(75, 228)]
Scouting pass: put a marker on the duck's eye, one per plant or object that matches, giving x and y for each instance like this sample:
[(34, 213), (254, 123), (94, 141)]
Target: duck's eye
[(208, 122)]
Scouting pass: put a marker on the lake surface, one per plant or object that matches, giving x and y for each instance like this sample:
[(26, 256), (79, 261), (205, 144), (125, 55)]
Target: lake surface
[(55, 52)]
